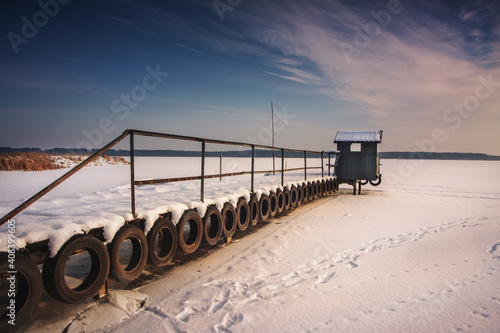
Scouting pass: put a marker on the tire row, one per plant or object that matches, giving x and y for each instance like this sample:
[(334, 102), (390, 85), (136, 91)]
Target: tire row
[(126, 256)]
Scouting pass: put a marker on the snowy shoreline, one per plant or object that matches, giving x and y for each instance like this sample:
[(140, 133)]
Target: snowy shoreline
[(420, 255), (76, 207)]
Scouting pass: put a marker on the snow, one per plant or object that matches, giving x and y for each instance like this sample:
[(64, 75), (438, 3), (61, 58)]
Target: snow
[(357, 137), (420, 253), (100, 197), (70, 161)]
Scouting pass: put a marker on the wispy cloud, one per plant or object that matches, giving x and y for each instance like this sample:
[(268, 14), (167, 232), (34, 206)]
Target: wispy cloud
[(409, 73), (216, 109), (50, 80)]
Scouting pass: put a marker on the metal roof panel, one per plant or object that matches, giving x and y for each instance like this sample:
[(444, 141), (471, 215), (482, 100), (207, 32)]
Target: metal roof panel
[(357, 137)]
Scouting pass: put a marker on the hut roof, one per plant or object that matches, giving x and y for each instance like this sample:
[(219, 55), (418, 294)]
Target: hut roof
[(358, 137)]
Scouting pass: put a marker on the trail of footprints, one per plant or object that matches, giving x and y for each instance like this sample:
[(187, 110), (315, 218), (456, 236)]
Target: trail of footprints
[(234, 294), (428, 305)]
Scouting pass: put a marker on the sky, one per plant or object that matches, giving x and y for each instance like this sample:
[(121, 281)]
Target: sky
[(78, 73)]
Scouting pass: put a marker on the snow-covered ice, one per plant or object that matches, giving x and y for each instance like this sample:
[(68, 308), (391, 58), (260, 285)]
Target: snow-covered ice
[(420, 253), (100, 197)]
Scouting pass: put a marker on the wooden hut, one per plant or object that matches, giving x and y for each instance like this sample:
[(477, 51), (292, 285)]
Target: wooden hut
[(359, 161)]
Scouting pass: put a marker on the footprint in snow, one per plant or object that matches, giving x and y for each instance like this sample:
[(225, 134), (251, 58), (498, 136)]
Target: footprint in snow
[(494, 249), (324, 278), (185, 314), (291, 283), (216, 306), (230, 319), (291, 275), (351, 264)]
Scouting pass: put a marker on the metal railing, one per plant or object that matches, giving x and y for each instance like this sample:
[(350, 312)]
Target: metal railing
[(133, 182)]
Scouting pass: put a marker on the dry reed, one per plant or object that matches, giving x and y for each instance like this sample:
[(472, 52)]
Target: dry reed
[(36, 161)]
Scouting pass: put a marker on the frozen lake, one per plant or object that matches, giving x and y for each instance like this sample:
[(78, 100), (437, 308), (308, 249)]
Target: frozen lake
[(420, 253)]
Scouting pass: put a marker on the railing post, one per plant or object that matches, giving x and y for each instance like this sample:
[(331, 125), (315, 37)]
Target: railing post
[(220, 167), (282, 167), (253, 169), (202, 194), (305, 165), (329, 164), (132, 173), (322, 167)]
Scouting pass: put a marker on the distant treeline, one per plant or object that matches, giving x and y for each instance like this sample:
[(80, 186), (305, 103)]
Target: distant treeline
[(20, 150), (258, 153), (405, 155), (162, 153)]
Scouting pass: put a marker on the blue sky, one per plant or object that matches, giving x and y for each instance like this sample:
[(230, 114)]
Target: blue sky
[(426, 72)]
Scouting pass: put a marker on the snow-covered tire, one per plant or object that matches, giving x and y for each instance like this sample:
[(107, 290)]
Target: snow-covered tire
[(264, 207), (190, 231), (162, 242), (273, 204), (28, 286), (330, 186), (134, 265), (243, 214), (305, 193), (287, 199), (323, 188), (229, 220), (281, 200), (310, 191), (53, 270), (294, 196), (300, 195), (316, 189), (212, 226), (254, 208)]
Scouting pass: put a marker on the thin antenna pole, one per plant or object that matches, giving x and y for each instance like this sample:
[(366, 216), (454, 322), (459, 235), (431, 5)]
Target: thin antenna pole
[(272, 125)]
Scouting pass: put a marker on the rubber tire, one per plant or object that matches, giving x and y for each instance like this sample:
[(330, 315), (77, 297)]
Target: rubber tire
[(316, 189), (287, 199), (305, 193), (243, 214), (379, 181), (324, 190), (196, 231), (53, 270), (264, 207), (163, 226), (330, 186), (273, 204), (281, 200), (29, 289), (139, 254), (229, 220), (310, 191), (300, 196), (212, 226), (253, 204), (294, 196)]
